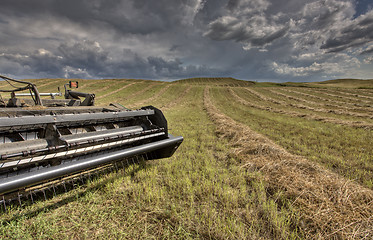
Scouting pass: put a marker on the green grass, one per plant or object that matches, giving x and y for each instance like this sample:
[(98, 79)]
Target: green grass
[(342, 149), (317, 109), (215, 82), (348, 83), (202, 191)]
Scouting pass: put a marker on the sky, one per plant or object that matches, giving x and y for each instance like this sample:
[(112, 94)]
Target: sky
[(260, 40)]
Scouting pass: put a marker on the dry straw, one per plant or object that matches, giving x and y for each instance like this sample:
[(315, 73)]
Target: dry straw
[(150, 99), (355, 124), (330, 207), (176, 101)]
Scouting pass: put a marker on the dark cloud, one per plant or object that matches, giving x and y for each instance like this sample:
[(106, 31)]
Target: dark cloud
[(170, 39), (356, 33), (245, 21), (39, 61), (86, 54), (367, 50)]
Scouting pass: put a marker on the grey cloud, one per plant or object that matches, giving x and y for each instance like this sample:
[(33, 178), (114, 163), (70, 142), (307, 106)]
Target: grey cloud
[(356, 33), (367, 50), (169, 39), (246, 22), (39, 61), (87, 59), (325, 14), (86, 54), (125, 17)]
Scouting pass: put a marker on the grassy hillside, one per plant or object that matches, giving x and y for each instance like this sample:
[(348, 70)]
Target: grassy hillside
[(259, 161), (348, 83), (215, 81)]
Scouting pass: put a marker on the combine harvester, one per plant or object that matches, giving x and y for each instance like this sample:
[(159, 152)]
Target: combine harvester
[(49, 143)]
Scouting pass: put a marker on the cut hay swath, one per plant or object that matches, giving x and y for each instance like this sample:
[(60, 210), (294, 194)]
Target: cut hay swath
[(232, 177), (330, 206), (357, 124)]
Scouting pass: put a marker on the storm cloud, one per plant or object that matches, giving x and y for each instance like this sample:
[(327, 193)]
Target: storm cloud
[(279, 40)]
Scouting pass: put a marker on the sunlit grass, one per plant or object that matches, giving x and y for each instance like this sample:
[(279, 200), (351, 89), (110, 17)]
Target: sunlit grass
[(202, 191), (342, 149)]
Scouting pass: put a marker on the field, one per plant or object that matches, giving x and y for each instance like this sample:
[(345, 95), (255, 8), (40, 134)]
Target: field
[(258, 161)]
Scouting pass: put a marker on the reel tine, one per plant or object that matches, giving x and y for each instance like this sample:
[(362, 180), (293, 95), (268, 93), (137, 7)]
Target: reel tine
[(54, 190), (45, 196), (19, 200), (4, 204), (121, 163), (32, 199)]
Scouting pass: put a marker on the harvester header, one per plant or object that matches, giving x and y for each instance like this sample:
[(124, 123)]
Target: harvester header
[(48, 142)]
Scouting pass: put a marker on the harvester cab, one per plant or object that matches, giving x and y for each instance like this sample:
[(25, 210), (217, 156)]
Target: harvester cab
[(46, 143)]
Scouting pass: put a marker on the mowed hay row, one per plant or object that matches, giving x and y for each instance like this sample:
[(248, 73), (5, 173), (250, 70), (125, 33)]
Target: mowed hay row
[(293, 102), (367, 92), (232, 204), (48, 84), (148, 92), (124, 94), (333, 97), (339, 95), (219, 81), (329, 106), (151, 99), (177, 100), (286, 96), (342, 149), (171, 95), (199, 193), (167, 96), (330, 206), (97, 86), (357, 124), (356, 93), (324, 100), (112, 89)]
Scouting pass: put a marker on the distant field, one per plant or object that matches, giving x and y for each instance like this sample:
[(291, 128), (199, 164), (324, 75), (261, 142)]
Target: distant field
[(259, 161), (348, 83)]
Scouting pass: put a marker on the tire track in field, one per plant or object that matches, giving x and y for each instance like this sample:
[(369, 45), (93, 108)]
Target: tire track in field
[(155, 96), (322, 110), (177, 100), (330, 206), (328, 100), (118, 90), (356, 124)]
